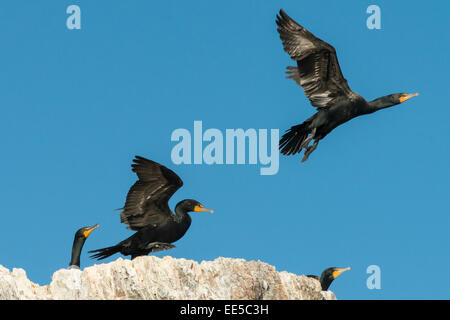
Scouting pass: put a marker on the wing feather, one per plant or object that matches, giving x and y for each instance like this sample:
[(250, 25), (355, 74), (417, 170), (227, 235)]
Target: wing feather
[(147, 200), (318, 71)]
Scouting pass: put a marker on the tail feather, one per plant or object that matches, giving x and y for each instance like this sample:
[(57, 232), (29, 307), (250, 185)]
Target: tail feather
[(105, 252), (291, 141)]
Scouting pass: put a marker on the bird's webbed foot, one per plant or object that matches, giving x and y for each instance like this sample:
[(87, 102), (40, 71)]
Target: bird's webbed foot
[(308, 139), (159, 246), (309, 150)]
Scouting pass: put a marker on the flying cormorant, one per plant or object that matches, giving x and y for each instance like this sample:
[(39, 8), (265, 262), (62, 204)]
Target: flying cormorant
[(320, 76), (147, 211), (78, 242), (328, 275)]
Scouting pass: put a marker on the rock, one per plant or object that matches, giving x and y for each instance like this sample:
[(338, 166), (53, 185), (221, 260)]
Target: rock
[(166, 278)]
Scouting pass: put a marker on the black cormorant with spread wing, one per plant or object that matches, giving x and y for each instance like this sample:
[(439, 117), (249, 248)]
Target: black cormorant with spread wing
[(320, 76), (78, 242), (147, 211), (328, 275)]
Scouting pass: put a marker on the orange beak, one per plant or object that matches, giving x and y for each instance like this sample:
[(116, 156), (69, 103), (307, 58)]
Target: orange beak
[(202, 209), (338, 272), (408, 96), (89, 230)]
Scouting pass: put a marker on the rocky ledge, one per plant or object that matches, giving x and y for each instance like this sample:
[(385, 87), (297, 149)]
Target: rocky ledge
[(166, 278)]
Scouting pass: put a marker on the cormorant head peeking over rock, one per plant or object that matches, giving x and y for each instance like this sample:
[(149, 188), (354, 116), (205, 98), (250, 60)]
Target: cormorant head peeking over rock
[(78, 242), (328, 276)]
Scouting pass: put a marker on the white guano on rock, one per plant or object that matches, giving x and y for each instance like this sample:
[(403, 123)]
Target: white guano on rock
[(152, 278)]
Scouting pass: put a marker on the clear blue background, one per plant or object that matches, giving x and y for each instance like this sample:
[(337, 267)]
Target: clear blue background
[(77, 105)]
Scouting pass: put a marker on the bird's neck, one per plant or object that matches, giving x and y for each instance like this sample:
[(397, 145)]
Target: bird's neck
[(380, 103), (78, 244), (325, 282), (181, 215)]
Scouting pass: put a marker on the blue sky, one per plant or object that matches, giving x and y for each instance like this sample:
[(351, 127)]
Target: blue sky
[(77, 105)]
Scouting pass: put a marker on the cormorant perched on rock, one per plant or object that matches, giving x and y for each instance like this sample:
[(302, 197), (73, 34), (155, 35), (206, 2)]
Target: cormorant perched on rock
[(147, 211), (78, 242), (319, 74), (328, 275)]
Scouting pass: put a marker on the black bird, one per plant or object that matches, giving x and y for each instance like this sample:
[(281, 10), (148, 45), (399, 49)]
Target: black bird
[(147, 211), (78, 242), (320, 76), (328, 275)]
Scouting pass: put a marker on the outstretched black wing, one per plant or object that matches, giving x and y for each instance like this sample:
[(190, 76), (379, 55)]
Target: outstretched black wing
[(318, 70), (147, 200)]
